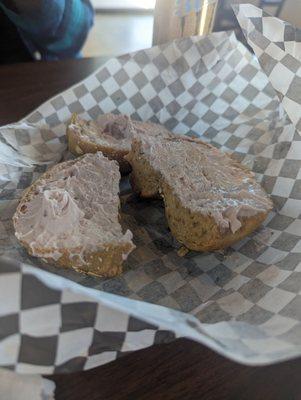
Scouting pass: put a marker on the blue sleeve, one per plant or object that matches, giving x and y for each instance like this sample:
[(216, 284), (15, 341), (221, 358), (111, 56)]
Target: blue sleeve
[(56, 28)]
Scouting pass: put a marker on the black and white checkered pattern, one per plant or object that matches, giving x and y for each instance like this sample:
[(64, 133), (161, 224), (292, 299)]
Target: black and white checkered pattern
[(48, 327), (244, 303), (277, 45)]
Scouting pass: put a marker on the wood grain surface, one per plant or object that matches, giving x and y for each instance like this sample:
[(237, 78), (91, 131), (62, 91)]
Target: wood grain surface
[(179, 370)]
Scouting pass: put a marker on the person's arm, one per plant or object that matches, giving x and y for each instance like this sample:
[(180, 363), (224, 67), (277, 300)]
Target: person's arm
[(56, 28)]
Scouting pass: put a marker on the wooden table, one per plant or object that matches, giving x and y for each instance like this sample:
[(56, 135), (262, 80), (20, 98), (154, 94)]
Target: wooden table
[(180, 370)]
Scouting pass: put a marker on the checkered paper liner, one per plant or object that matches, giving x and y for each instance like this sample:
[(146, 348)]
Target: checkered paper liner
[(244, 303), (277, 45)]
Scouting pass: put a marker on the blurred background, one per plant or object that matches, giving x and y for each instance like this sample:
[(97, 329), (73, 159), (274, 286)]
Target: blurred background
[(61, 29), (122, 26)]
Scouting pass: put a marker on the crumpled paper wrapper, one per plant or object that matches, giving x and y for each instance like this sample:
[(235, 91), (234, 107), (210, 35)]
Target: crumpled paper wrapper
[(19, 387), (244, 302), (277, 45)]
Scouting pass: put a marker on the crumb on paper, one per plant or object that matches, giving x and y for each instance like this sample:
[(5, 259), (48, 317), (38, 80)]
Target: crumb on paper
[(221, 253), (264, 236), (259, 246), (182, 251)]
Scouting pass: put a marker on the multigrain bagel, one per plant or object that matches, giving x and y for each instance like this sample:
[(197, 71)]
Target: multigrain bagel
[(112, 134), (211, 201), (69, 217)]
